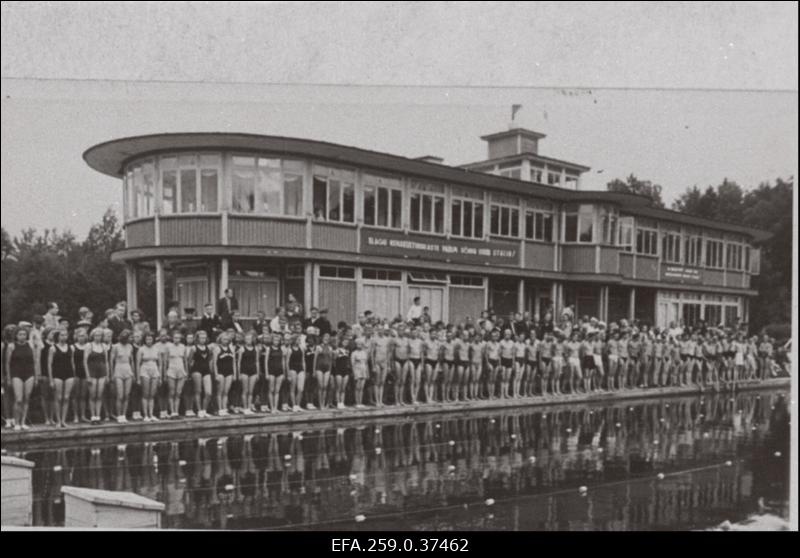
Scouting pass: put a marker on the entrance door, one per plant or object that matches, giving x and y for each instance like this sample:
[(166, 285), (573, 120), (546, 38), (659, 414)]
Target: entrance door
[(382, 299), (667, 313), (432, 297), (254, 294)]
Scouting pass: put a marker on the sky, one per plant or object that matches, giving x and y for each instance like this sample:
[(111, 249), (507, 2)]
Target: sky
[(678, 93)]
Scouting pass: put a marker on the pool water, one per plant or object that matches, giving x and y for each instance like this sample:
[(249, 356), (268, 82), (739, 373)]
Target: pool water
[(671, 464)]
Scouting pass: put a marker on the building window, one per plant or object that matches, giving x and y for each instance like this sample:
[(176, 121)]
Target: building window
[(267, 186), (466, 218), (694, 248), (713, 314), (714, 253), (295, 272), (755, 261), (381, 274), (579, 223), (671, 247), (504, 220), (337, 272), (731, 315), (608, 225), (334, 198), (626, 233), (554, 178), (536, 175), (466, 280), (646, 242), (691, 313), (382, 202), (426, 208), (734, 259), (513, 172), (571, 182), (539, 225)]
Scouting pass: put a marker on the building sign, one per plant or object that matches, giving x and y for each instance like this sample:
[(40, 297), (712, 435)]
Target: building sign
[(475, 252), (680, 274)]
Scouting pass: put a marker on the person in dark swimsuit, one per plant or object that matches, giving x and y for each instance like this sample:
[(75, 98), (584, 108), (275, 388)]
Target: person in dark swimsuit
[(248, 372), (341, 372), (62, 375), (276, 367), (225, 365), (323, 363), (22, 364), (296, 374), (200, 359), (80, 390), (95, 360), (309, 354)]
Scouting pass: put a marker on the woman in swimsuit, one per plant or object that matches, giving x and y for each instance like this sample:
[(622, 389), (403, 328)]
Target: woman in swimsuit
[(147, 364), (80, 390), (358, 364), (323, 363), (22, 364), (572, 354), (62, 374), (309, 353), (635, 360), (225, 368), (122, 365), (432, 348), (612, 352), (200, 360), (247, 363), (341, 371), (174, 366), (43, 382), (95, 360), (493, 365), (586, 352), (380, 357), (624, 363), (277, 363), (296, 373)]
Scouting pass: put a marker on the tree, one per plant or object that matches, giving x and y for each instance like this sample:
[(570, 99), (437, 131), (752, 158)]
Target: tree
[(633, 185), (768, 208)]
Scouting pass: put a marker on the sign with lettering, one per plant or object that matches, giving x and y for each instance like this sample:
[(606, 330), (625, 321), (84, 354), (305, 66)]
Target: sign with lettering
[(446, 250), (680, 274)]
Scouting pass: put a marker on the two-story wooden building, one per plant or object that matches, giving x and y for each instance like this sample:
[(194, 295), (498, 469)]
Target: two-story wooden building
[(353, 230)]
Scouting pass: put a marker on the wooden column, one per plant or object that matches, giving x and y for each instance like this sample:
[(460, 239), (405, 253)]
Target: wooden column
[(223, 276), (632, 304), (159, 293), (131, 286), (521, 296)]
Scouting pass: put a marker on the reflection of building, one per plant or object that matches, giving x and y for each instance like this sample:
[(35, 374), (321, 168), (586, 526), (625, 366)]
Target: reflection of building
[(351, 230)]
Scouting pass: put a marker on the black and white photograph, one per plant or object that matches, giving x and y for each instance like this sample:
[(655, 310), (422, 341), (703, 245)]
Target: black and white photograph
[(399, 274)]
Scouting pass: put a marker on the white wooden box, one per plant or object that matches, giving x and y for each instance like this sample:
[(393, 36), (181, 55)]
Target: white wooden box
[(90, 508), (16, 498)]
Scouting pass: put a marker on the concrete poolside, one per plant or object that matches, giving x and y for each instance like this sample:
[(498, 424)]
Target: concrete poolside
[(132, 432)]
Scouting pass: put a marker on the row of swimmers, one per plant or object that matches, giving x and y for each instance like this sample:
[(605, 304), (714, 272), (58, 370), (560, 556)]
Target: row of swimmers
[(246, 372)]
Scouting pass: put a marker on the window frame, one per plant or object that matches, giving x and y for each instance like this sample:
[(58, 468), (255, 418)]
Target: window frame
[(714, 258), (672, 243), (436, 193), (646, 237), (568, 212), (536, 214), (367, 182), (332, 174), (510, 209)]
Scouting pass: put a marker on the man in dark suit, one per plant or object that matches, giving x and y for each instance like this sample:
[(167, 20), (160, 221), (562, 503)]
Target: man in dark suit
[(227, 304), (319, 320), (210, 322)]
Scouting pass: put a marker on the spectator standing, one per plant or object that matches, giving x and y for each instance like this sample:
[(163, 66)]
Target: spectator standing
[(225, 308), (51, 317), (415, 312), (210, 322), (293, 308)]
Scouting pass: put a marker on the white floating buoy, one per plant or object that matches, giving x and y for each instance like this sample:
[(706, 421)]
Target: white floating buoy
[(57, 468), (489, 501), (583, 490), (728, 463), (777, 454), (667, 405), (490, 516), (360, 518), (353, 478), (438, 426), (655, 442), (353, 492), (491, 421), (229, 488), (451, 443), (377, 431), (378, 451), (706, 435), (451, 468), (532, 460), (513, 436), (600, 450), (287, 457), (182, 462), (660, 476), (618, 425), (630, 408), (569, 430), (661, 419)]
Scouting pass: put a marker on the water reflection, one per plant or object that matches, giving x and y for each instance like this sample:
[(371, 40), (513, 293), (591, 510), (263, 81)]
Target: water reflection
[(438, 473)]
